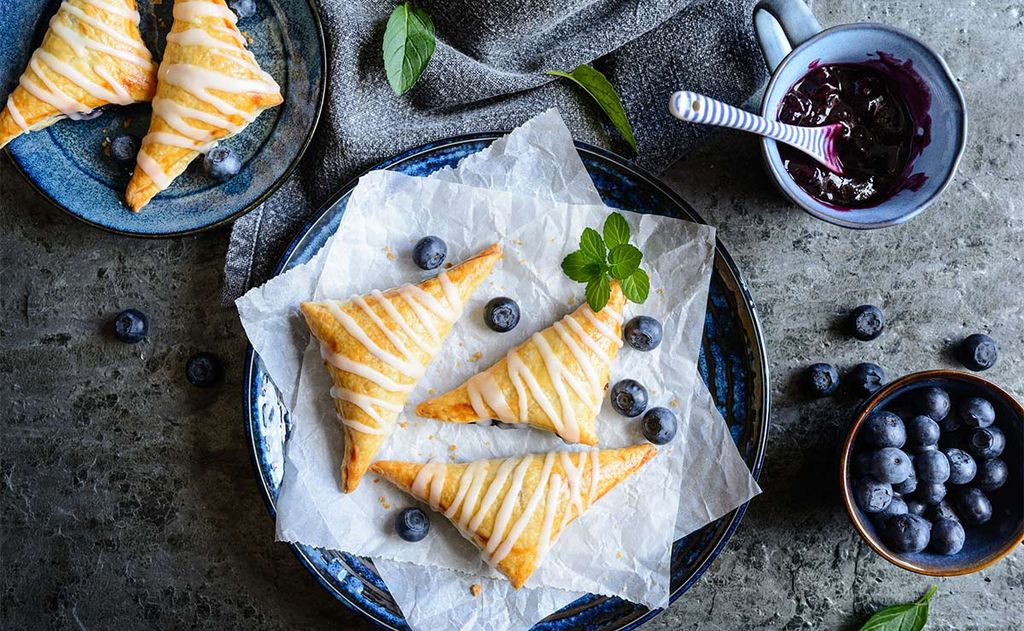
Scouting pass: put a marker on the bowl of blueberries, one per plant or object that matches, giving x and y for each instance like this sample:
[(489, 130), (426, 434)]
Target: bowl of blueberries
[(932, 473)]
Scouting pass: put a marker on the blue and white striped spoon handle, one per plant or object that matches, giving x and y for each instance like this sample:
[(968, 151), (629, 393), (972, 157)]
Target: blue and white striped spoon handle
[(817, 142)]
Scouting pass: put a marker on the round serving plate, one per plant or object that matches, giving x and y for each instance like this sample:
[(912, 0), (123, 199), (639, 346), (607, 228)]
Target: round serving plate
[(732, 363), (68, 163)]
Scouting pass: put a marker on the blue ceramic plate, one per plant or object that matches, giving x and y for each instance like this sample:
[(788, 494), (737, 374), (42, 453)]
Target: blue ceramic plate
[(732, 363), (66, 162)]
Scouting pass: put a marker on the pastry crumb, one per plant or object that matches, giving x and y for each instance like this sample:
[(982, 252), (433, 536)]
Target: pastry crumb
[(476, 589), (449, 265), (661, 291), (674, 403), (384, 502), (376, 480), (404, 424), (388, 252), (452, 447), (572, 300), (618, 555), (475, 357), (517, 241), (431, 390)]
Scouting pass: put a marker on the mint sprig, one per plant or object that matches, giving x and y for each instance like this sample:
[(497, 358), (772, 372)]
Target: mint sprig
[(408, 46), (908, 617), (601, 90), (603, 258)]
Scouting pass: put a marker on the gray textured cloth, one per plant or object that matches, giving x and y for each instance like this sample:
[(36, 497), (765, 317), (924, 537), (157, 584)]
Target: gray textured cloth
[(487, 74)]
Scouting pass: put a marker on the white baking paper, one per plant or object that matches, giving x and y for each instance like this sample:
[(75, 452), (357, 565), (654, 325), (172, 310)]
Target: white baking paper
[(597, 553)]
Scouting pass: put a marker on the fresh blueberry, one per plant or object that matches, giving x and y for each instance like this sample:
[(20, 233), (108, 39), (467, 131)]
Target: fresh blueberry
[(659, 425), (884, 429), (947, 537), (643, 333), (629, 398), (907, 533), (821, 380), (986, 442), (221, 163), (131, 326), (930, 492), (907, 486), (896, 507), (962, 467), (992, 474), (932, 402), (942, 510), (865, 379), (973, 507), (916, 507), (891, 465), (124, 147), (866, 322), (204, 370), (977, 412), (979, 352), (922, 433), (429, 252), (243, 8), (932, 466), (871, 495), (501, 314), (412, 524)]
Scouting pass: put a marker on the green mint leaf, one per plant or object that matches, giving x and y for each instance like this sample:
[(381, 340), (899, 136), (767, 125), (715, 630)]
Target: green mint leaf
[(637, 286), (909, 617), (408, 46), (599, 291), (624, 260), (616, 231), (580, 268), (592, 246), (597, 86)]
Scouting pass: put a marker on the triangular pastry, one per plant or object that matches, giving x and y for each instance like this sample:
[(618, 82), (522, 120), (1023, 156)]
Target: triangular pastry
[(92, 55), (514, 509), (376, 347), (555, 380), (209, 87)]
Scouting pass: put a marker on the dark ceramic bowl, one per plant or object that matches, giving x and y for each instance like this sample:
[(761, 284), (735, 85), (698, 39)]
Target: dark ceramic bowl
[(985, 544)]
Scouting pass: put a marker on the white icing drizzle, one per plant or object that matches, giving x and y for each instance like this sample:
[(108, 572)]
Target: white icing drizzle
[(588, 313), (551, 503), (342, 362), (508, 504), (192, 11), (19, 120), (502, 550), (429, 483), (485, 395)]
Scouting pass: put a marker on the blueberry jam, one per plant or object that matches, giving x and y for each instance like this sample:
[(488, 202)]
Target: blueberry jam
[(875, 146)]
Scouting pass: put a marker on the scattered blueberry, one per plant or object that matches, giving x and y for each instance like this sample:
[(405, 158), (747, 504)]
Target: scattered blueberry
[(907, 533), (977, 412), (412, 524), (821, 380), (243, 8), (992, 474), (973, 507), (922, 433), (131, 326), (124, 147), (501, 314), (932, 402), (930, 492), (629, 398), (986, 442), (429, 252), (221, 163), (871, 495), (204, 370), (866, 322), (916, 507), (979, 352), (896, 507), (891, 465), (907, 486), (947, 537), (884, 429), (932, 466), (942, 510), (659, 425), (962, 467), (865, 379), (643, 333)]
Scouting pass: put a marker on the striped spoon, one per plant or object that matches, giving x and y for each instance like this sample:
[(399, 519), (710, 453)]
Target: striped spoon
[(817, 142)]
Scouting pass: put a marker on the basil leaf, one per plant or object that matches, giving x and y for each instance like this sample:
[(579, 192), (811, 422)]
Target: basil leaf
[(597, 86), (637, 286), (599, 291), (580, 268), (616, 231), (592, 245), (909, 617), (623, 260), (408, 46)]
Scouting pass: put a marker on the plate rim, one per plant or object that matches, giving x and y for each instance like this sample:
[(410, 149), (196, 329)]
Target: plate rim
[(273, 188), (761, 361)]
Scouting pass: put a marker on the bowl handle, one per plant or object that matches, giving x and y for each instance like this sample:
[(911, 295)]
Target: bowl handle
[(797, 22)]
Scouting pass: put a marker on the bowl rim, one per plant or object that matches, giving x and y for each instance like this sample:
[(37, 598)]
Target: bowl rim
[(845, 487)]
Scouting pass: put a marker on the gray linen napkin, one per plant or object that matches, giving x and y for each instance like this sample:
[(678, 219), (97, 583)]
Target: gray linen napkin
[(487, 75)]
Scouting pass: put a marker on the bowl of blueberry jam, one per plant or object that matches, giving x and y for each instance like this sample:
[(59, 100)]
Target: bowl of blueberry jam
[(932, 473), (903, 117)]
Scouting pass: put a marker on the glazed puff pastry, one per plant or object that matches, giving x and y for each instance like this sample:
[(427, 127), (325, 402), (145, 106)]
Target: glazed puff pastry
[(554, 381), (514, 509), (209, 87), (376, 347), (92, 55)]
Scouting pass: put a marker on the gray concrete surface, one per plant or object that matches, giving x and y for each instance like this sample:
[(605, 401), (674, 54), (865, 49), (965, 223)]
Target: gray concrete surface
[(128, 498)]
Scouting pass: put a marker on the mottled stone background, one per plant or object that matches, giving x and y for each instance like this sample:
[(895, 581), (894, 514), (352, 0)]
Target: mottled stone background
[(128, 498)]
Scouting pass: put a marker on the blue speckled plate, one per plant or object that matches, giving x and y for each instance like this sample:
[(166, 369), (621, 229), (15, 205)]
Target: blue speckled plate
[(732, 362), (67, 164)]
